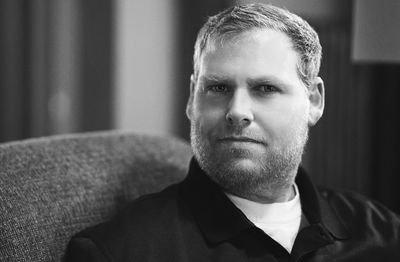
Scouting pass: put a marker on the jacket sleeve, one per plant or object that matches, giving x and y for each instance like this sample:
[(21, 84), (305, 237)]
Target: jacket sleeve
[(84, 249)]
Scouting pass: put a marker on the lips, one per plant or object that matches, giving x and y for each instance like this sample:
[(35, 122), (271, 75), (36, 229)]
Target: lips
[(240, 139)]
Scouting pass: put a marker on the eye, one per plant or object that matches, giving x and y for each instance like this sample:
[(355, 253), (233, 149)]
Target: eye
[(267, 88), (217, 89)]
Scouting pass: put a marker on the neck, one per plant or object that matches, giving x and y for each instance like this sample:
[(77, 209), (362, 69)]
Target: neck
[(271, 195), (278, 192)]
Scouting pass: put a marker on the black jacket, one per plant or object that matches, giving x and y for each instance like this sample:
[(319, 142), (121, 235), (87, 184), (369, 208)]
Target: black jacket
[(195, 221)]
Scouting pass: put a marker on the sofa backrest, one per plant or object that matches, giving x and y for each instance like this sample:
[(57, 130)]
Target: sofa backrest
[(53, 187)]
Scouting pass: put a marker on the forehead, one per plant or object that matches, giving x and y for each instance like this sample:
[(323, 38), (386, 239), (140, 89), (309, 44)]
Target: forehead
[(251, 53)]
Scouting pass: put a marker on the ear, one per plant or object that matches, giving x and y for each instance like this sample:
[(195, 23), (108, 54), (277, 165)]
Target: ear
[(189, 105), (316, 96)]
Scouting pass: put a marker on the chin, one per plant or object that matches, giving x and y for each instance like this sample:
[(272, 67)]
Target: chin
[(243, 160), (239, 176), (247, 165), (237, 167)]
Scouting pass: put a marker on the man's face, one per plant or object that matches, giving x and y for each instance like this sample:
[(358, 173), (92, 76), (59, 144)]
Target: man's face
[(249, 114)]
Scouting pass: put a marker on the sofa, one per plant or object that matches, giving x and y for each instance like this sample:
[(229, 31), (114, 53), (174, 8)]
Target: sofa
[(53, 187)]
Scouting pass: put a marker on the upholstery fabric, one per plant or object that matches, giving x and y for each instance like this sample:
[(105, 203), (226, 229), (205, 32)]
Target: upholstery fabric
[(53, 187)]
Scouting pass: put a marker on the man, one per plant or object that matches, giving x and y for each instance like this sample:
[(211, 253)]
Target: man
[(254, 93)]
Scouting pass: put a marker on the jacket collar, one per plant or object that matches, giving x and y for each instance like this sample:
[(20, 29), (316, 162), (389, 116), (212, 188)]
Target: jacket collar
[(317, 209), (219, 219)]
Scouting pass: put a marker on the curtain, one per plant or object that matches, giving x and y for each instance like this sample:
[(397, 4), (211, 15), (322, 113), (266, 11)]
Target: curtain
[(385, 125), (55, 71)]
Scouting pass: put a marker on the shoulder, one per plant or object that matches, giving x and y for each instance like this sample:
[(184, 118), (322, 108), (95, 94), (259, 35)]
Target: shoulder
[(363, 215), (352, 201), (142, 223), (144, 214)]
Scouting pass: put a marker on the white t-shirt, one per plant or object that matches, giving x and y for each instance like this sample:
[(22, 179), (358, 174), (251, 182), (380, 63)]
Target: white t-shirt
[(281, 221)]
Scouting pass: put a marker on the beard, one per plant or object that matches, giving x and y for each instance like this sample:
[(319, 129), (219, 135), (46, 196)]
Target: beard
[(248, 172)]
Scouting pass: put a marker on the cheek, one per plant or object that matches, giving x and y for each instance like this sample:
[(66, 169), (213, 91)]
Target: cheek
[(281, 121), (207, 116)]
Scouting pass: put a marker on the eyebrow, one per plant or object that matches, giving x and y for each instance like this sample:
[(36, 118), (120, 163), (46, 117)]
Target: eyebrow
[(250, 81), (266, 80), (215, 78)]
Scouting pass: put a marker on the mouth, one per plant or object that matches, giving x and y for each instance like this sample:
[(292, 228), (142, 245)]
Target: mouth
[(240, 139)]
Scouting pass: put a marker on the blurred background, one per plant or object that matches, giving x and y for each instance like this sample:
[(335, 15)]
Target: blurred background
[(82, 65)]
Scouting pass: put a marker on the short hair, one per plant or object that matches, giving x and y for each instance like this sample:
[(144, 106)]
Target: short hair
[(241, 18)]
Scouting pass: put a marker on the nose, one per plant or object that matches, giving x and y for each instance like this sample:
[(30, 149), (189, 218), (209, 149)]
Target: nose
[(239, 113)]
